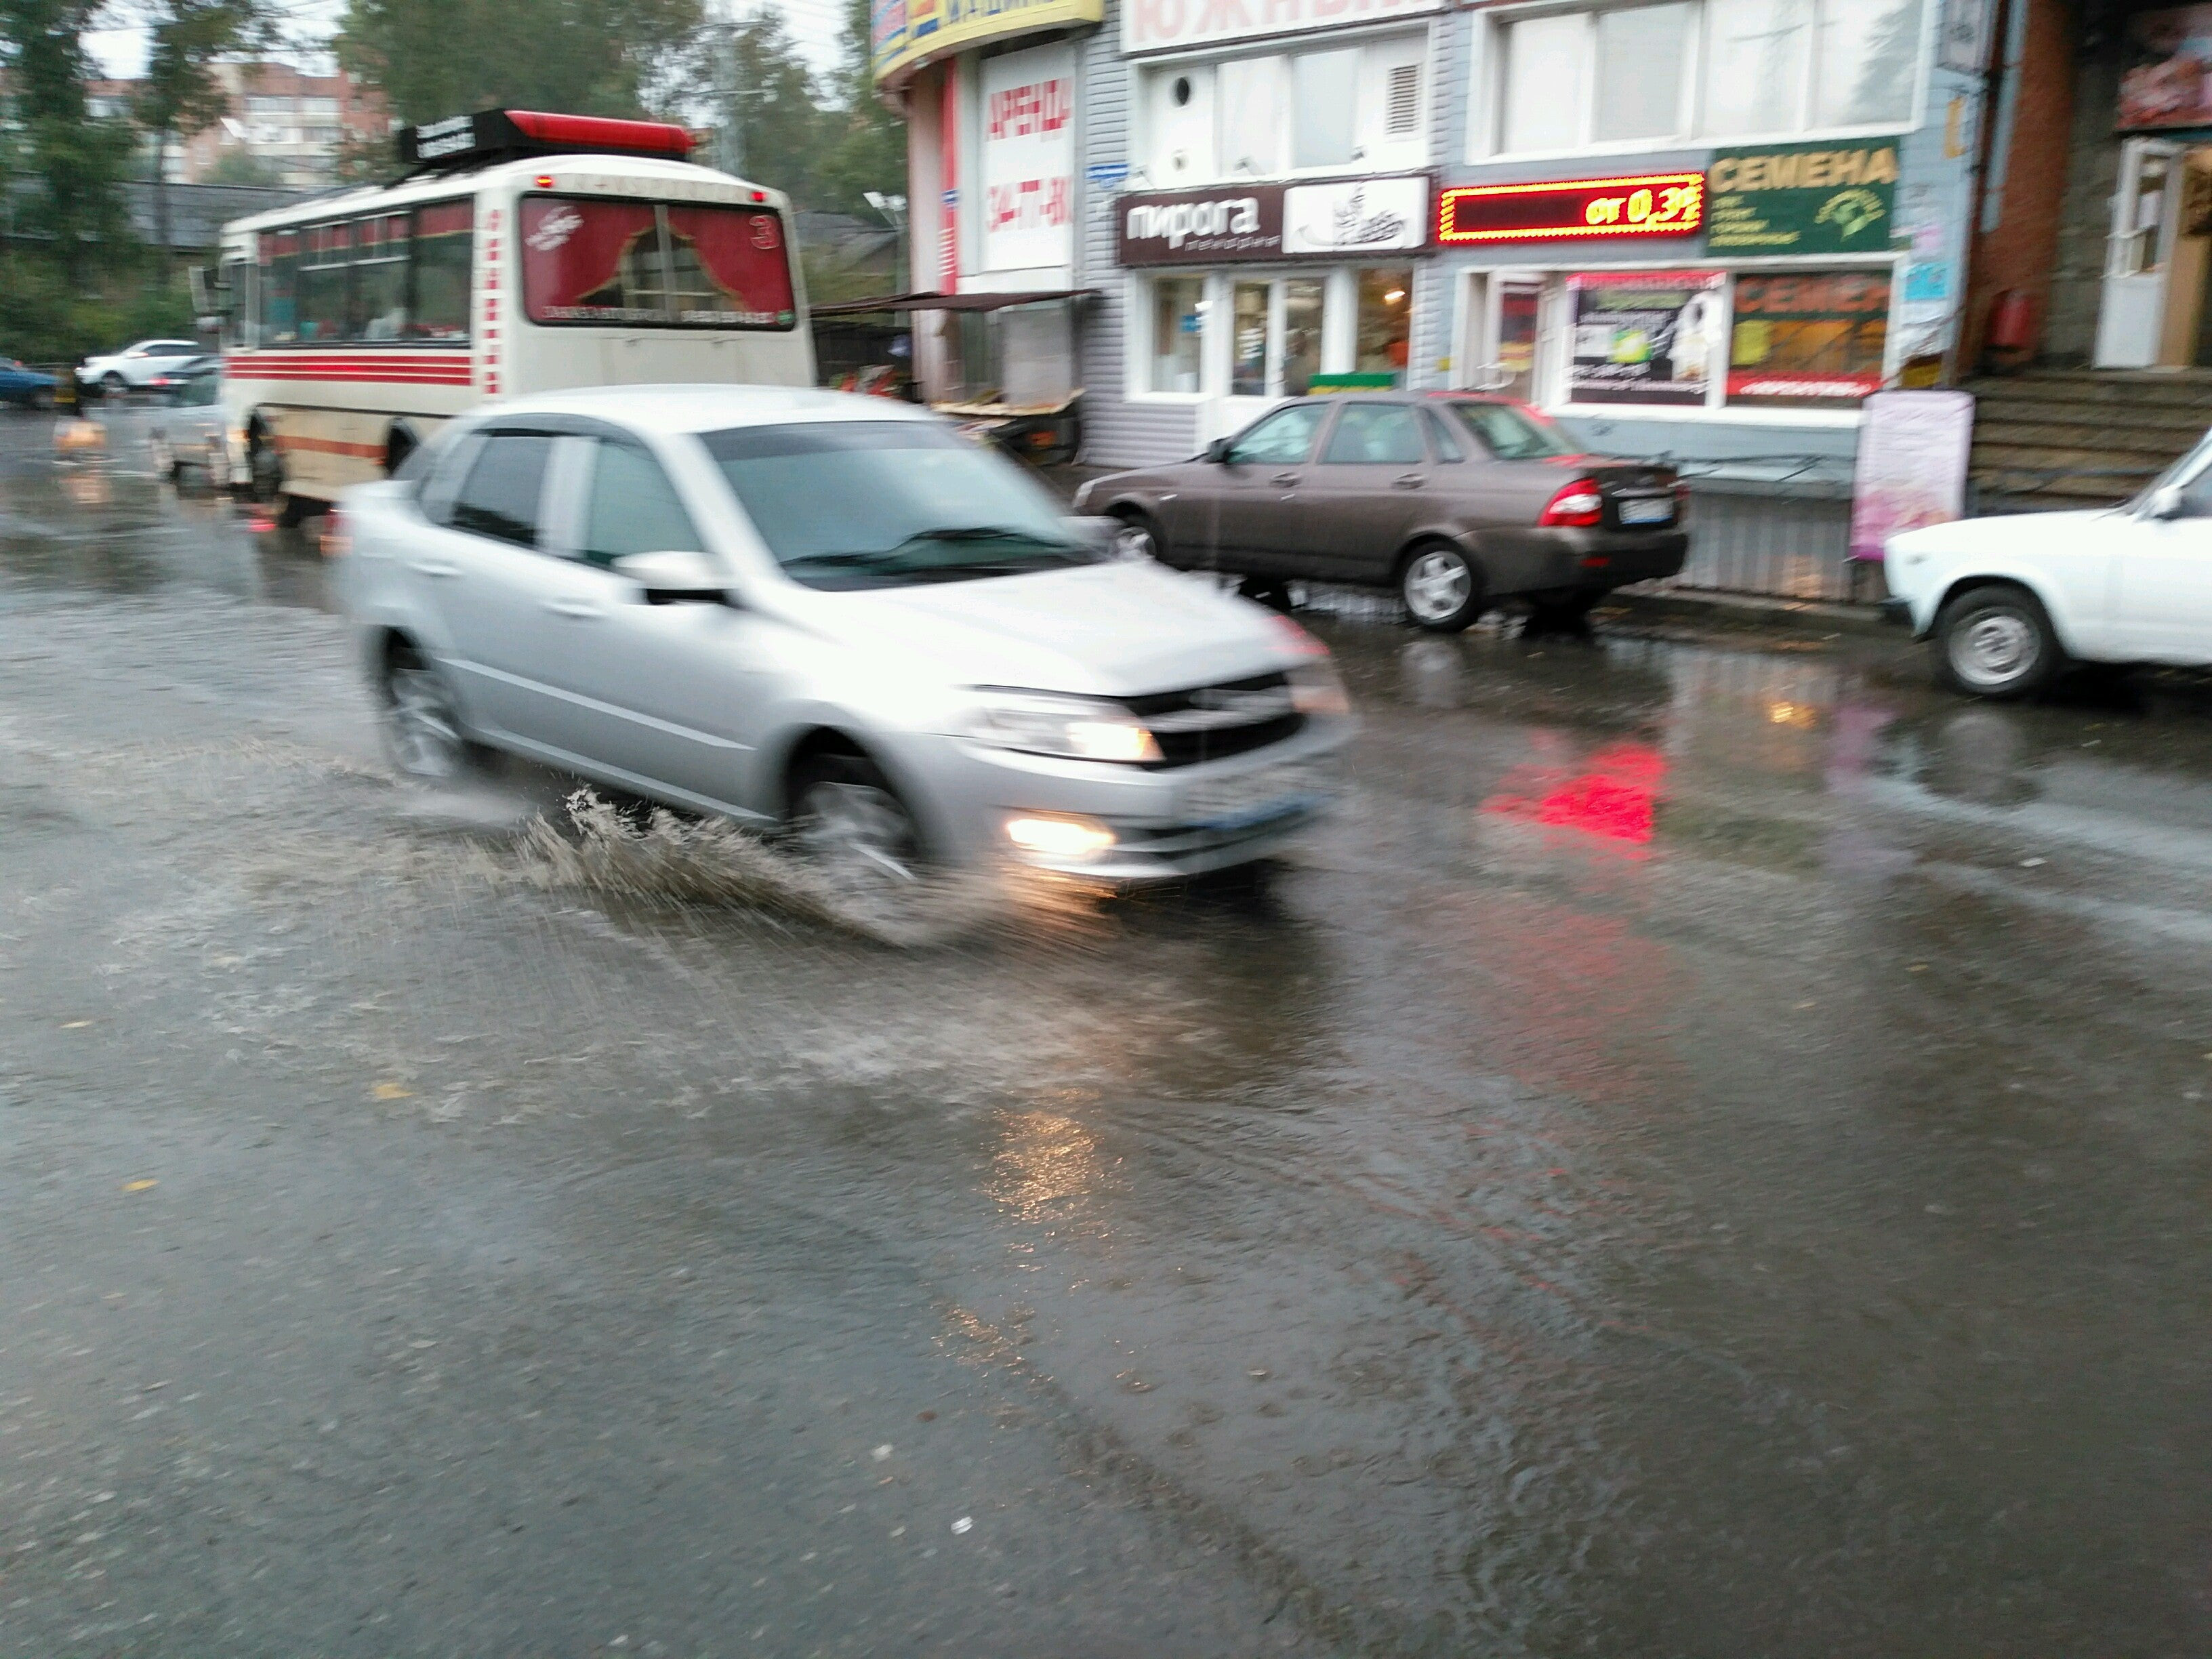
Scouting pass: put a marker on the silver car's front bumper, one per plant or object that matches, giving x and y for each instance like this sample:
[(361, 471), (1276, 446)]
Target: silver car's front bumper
[(1167, 823)]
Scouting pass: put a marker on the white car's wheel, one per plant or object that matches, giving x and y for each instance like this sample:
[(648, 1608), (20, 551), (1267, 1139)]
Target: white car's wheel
[(1996, 641)]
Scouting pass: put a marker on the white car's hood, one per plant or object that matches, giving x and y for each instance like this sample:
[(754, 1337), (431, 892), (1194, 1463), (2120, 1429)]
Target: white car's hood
[(1115, 630), (2010, 531)]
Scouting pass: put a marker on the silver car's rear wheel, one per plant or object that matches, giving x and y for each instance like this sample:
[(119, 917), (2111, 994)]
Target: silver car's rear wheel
[(1441, 588), (421, 722), (850, 823)]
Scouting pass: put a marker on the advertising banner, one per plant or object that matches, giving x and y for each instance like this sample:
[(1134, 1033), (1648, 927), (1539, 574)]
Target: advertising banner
[(1357, 215), (1644, 204), (2167, 80), (1644, 337), (1808, 340), (1159, 25), (1239, 223), (901, 34), (1029, 159), (1911, 467), (1799, 198)]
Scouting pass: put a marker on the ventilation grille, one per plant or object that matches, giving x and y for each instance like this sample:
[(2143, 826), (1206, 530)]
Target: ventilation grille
[(1404, 117)]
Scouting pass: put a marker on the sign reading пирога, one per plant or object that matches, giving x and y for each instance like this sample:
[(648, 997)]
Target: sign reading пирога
[(1241, 221), (1803, 199)]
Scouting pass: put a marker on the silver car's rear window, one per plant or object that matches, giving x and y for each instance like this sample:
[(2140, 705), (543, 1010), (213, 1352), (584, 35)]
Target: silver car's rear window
[(887, 504)]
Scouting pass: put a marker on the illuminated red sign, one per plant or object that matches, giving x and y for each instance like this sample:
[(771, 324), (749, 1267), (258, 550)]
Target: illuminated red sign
[(1653, 205)]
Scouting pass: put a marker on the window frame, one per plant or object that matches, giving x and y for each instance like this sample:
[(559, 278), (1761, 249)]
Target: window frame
[(1548, 381), (1488, 65), (1429, 35)]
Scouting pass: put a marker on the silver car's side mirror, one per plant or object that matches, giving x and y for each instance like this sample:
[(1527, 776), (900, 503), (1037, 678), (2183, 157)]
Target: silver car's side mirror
[(2165, 502), (676, 577)]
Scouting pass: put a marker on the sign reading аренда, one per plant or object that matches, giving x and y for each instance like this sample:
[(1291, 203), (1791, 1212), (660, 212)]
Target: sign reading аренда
[(1803, 199)]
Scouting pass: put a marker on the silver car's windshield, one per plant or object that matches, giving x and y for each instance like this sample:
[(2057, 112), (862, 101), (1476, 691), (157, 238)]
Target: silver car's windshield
[(1509, 432), (887, 503)]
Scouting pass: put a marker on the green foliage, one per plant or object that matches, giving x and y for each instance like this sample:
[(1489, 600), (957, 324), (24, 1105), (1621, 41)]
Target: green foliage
[(74, 160), (774, 127), (241, 167), (437, 57), (868, 149)]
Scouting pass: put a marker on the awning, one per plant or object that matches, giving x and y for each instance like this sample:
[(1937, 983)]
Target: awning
[(931, 301)]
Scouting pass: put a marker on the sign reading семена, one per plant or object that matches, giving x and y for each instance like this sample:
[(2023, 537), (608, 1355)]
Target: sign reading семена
[(1803, 199)]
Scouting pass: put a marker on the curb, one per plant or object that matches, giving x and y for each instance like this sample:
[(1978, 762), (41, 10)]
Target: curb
[(1750, 612)]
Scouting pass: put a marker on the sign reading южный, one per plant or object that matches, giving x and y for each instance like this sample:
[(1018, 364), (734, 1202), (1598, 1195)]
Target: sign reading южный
[(905, 33), (1803, 199)]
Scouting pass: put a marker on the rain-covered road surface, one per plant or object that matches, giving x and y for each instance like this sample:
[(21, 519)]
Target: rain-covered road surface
[(1706, 1155)]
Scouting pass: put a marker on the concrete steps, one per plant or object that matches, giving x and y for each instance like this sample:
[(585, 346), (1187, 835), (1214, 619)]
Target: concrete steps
[(2063, 438)]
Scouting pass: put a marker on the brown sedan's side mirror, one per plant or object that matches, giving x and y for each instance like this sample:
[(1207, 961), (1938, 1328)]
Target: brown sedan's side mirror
[(1218, 450)]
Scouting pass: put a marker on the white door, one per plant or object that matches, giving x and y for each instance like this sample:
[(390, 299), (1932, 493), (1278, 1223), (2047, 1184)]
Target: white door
[(2162, 591), (2145, 208)]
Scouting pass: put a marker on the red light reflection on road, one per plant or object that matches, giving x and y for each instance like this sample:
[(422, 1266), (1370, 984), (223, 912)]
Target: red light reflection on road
[(1616, 795)]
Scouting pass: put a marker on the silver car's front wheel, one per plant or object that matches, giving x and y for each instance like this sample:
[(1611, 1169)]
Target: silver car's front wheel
[(422, 723), (1135, 539), (850, 823), (1440, 588)]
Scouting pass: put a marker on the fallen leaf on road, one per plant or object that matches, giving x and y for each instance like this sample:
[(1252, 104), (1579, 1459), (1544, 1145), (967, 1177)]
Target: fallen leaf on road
[(76, 1024), (138, 1186), (393, 1091)]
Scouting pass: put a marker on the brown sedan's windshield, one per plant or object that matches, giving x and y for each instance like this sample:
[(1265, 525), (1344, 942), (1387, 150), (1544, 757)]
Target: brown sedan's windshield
[(1511, 432)]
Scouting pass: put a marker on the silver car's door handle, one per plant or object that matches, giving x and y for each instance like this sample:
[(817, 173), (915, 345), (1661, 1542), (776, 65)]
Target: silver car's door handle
[(1407, 481), (433, 567), (1284, 478), (582, 610)]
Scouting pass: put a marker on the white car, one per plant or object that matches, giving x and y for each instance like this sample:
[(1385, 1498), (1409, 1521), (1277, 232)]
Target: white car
[(136, 365), (2010, 601), (834, 613)]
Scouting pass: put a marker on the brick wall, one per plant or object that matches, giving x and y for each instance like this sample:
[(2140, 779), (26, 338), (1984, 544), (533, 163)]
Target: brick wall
[(2022, 249), (2093, 174)]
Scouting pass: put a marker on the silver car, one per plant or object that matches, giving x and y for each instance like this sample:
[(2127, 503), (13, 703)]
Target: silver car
[(833, 613)]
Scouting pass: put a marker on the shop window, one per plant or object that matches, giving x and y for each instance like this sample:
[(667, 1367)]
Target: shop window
[(1755, 64), (1386, 313), (1868, 50), (1644, 337), (1772, 68), (1303, 305), (1178, 319), (1377, 434), (1808, 340), (1250, 91), (1248, 346), (1641, 55), (1324, 91)]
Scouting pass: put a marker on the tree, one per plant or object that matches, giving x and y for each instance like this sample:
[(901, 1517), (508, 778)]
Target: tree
[(869, 151), (180, 94), (74, 160), (432, 59), (775, 128), (241, 165)]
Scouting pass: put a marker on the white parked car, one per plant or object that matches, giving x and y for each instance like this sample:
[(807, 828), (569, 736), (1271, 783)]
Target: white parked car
[(833, 613), (2010, 601), (136, 365)]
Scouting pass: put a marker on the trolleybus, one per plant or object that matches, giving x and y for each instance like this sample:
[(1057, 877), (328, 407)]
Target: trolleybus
[(520, 251)]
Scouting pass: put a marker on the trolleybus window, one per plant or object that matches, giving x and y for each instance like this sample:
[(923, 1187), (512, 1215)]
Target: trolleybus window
[(279, 285), (443, 234), (593, 260), (379, 311), (323, 282)]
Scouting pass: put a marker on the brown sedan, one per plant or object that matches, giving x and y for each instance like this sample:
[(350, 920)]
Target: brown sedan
[(1457, 500)]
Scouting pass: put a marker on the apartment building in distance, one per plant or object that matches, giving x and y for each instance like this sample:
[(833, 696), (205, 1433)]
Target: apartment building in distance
[(285, 127)]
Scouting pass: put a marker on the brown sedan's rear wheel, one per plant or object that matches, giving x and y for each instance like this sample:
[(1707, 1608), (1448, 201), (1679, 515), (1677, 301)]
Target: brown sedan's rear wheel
[(1440, 587)]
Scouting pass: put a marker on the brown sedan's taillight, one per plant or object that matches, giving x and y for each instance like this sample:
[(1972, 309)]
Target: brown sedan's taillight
[(1576, 506)]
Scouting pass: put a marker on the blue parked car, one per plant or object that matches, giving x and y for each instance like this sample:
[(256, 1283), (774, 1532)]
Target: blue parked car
[(25, 387)]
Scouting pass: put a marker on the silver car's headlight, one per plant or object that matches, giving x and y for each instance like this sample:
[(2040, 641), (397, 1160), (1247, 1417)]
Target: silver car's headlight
[(1316, 689), (1072, 728)]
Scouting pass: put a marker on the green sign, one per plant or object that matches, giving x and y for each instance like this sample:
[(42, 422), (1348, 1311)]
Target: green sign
[(1354, 382), (1803, 199)]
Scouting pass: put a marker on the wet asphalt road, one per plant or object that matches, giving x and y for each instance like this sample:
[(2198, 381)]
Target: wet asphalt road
[(1706, 1155)]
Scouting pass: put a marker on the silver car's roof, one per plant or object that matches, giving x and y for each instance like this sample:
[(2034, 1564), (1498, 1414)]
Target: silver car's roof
[(711, 407)]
